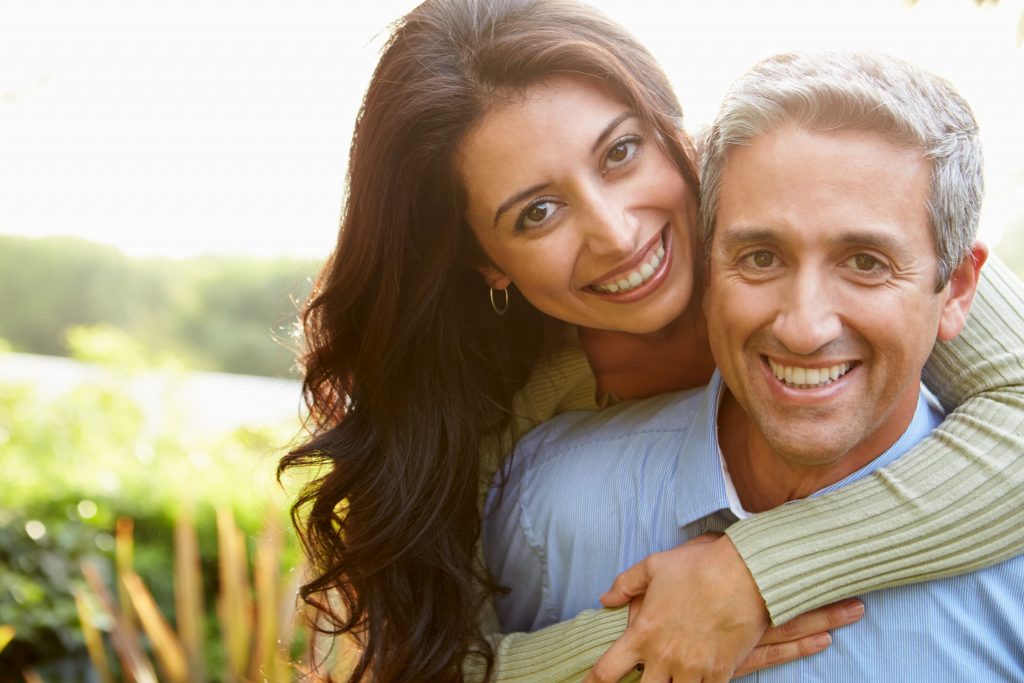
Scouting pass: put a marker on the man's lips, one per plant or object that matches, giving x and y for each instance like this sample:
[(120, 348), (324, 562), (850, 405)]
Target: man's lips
[(803, 377)]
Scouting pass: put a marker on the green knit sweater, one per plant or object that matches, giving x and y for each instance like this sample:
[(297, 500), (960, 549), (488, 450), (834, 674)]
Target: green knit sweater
[(955, 503)]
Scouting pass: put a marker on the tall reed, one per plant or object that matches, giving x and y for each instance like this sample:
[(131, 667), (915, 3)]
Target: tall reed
[(259, 625)]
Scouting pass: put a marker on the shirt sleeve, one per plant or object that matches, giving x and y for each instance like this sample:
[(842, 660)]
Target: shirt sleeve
[(953, 504), (513, 554)]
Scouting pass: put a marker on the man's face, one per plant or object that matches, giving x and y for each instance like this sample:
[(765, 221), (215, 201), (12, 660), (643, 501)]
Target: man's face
[(821, 300)]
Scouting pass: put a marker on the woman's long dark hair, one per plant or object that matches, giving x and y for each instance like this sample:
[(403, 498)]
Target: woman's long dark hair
[(407, 368)]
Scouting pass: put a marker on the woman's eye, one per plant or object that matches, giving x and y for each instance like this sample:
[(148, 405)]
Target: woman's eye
[(535, 214), (621, 151)]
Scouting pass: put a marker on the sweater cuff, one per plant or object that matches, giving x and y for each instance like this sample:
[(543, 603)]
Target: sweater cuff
[(557, 654)]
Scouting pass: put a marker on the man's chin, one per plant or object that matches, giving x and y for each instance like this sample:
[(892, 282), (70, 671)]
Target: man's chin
[(821, 446)]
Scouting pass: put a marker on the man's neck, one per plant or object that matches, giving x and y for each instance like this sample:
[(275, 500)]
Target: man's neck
[(764, 478)]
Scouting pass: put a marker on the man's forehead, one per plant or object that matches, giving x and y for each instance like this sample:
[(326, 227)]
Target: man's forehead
[(844, 180)]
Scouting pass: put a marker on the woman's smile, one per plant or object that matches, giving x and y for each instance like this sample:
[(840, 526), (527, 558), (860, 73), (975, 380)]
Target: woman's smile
[(640, 276)]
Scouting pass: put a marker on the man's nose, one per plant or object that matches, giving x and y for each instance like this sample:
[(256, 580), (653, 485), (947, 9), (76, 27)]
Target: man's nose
[(808, 318)]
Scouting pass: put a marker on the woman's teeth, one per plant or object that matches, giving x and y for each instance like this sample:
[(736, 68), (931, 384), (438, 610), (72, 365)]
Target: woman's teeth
[(807, 378), (635, 278)]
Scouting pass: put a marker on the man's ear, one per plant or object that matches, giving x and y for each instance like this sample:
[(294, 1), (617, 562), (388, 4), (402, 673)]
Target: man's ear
[(495, 278), (962, 286)]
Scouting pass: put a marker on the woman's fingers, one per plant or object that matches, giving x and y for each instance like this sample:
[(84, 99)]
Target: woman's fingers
[(614, 664), (815, 622), (627, 585), (764, 656), (698, 617), (657, 675), (634, 581), (805, 635)]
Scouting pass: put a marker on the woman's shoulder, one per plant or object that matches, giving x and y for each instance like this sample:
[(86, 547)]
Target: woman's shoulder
[(561, 381)]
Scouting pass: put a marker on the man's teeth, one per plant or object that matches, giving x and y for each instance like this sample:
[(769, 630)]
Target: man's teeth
[(807, 378), (635, 278)]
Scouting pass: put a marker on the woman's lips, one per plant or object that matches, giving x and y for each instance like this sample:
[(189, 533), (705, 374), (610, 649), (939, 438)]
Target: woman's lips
[(628, 278)]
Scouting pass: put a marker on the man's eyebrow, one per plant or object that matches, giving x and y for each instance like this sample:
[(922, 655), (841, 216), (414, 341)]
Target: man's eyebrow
[(602, 136), (881, 241), (736, 237), (740, 236)]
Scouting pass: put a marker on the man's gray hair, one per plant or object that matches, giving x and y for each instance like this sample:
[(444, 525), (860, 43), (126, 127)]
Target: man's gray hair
[(835, 91)]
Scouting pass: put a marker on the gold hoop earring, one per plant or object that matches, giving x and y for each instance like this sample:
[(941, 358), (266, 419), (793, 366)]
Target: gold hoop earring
[(503, 309)]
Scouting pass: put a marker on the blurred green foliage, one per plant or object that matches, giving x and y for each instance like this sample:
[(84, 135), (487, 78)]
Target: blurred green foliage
[(76, 461), (36, 578), (231, 314)]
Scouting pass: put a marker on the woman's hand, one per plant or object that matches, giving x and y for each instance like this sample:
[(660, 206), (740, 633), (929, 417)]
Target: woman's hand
[(696, 615), (800, 637)]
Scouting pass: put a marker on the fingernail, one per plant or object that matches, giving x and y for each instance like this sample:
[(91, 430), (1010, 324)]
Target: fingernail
[(855, 610), (822, 640)]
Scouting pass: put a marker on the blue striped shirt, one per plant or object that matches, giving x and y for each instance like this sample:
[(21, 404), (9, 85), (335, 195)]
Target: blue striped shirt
[(589, 494)]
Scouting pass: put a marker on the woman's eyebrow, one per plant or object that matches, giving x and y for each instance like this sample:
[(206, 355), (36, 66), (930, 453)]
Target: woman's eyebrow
[(514, 199), (612, 125), (519, 196)]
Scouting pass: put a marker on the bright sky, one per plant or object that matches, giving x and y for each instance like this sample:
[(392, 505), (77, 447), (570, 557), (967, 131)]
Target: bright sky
[(223, 126)]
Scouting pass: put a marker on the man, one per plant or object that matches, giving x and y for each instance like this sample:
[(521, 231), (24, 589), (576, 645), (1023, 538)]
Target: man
[(841, 197)]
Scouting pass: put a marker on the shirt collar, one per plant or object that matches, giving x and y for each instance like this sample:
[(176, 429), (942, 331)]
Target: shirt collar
[(702, 480)]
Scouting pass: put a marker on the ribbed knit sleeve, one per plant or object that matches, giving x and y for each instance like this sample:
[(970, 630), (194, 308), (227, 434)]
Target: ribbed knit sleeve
[(557, 654), (953, 504)]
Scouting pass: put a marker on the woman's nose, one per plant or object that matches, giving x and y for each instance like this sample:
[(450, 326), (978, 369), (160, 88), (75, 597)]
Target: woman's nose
[(609, 227)]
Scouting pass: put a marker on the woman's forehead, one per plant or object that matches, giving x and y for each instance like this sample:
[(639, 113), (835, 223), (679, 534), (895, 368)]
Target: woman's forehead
[(551, 127)]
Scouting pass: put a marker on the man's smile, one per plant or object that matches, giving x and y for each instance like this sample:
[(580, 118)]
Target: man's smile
[(800, 377)]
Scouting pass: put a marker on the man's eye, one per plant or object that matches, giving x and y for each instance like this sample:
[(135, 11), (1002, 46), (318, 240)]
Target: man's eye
[(621, 151), (864, 262), (761, 259)]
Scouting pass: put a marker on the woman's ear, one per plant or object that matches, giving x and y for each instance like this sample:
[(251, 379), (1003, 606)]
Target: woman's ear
[(495, 278), (962, 285)]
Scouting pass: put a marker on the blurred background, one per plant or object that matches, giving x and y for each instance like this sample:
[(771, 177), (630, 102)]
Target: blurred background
[(171, 176)]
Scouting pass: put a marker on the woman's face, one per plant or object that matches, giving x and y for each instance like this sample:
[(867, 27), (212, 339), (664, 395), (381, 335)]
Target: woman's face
[(573, 200)]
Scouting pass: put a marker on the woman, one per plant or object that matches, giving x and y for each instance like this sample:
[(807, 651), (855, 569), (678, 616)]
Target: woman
[(417, 378)]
